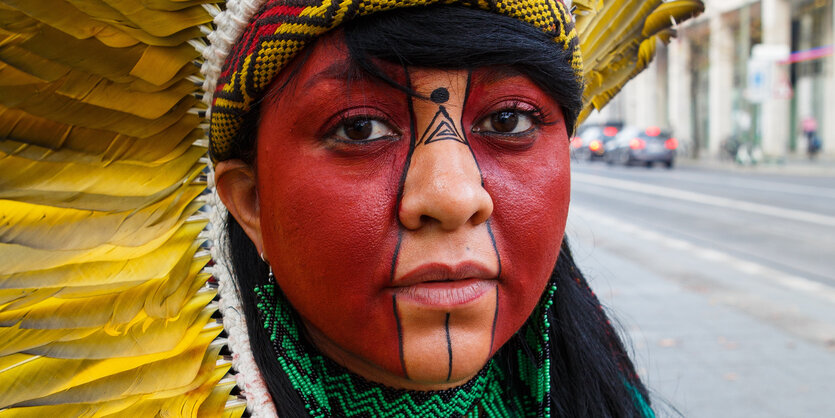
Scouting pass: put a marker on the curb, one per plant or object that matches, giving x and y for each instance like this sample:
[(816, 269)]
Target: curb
[(822, 167)]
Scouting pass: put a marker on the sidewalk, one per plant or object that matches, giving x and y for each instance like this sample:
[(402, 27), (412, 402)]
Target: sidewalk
[(822, 166), (707, 339)]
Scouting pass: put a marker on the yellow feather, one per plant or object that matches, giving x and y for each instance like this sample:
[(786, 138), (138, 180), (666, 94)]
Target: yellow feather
[(169, 298), (96, 58), (97, 202), (116, 179), (180, 402), (147, 337), (48, 103), (113, 310), (586, 11), (234, 410), (9, 295), (15, 339), (30, 380), (111, 406), (161, 23), (678, 10), (113, 28), (27, 132), (216, 403), (29, 225), (156, 263), (65, 17), (10, 76), (92, 56), (209, 372), (30, 63), (75, 292), (174, 376), (171, 5), (16, 258), (22, 301), (102, 294), (619, 22), (618, 42)]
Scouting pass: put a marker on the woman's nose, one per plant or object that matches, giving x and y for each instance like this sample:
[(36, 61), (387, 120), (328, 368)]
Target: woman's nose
[(444, 185)]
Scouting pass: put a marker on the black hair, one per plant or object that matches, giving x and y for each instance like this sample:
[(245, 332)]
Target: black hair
[(592, 376)]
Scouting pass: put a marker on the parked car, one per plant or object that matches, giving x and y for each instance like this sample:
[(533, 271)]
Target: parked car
[(590, 142), (642, 146)]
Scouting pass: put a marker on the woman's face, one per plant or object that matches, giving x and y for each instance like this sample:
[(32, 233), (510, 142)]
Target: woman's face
[(414, 235)]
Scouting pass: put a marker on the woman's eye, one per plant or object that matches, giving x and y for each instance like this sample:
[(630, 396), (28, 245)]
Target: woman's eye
[(506, 122), (362, 129)]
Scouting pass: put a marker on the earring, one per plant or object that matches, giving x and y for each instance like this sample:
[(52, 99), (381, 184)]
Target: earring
[(271, 277)]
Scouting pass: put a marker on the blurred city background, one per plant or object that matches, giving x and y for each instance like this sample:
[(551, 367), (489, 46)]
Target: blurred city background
[(703, 212)]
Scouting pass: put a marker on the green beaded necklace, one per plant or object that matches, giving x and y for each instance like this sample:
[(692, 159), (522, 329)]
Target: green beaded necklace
[(328, 389)]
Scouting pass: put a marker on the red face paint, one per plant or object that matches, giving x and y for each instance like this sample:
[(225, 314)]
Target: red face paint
[(529, 179), (329, 209)]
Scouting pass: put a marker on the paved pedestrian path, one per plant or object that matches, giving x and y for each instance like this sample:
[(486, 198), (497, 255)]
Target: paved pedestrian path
[(823, 165), (705, 346)]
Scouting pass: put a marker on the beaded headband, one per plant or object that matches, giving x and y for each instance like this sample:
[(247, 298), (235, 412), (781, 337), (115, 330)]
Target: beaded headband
[(245, 57)]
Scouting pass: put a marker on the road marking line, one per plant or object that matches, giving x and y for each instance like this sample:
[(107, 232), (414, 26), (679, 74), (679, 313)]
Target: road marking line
[(791, 214), (785, 280), (711, 255), (769, 186), (749, 267), (678, 244)]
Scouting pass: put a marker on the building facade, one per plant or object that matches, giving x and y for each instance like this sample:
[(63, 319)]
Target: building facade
[(746, 74)]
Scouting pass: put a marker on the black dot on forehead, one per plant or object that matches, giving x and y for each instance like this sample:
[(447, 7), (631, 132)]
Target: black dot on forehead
[(439, 95)]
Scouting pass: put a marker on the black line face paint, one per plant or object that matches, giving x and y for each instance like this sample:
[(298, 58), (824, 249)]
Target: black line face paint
[(396, 253), (412, 124), (495, 320), (399, 335), (498, 277), (448, 346), (488, 222)]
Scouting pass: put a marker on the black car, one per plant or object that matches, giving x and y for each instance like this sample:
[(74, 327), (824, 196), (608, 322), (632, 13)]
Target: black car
[(642, 146), (590, 142)]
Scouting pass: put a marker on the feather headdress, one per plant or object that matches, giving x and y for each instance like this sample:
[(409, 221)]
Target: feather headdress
[(108, 294)]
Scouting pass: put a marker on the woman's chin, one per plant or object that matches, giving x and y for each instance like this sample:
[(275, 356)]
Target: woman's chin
[(441, 350), (433, 373)]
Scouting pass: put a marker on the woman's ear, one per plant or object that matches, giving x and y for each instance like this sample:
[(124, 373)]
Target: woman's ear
[(236, 186)]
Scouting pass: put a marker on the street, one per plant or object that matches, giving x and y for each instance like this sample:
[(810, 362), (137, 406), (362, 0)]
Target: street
[(722, 281)]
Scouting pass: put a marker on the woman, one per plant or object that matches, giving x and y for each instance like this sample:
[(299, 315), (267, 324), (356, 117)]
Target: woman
[(397, 182), (407, 190)]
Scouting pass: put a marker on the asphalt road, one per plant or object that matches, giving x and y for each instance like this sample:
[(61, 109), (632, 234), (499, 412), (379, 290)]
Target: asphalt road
[(724, 283)]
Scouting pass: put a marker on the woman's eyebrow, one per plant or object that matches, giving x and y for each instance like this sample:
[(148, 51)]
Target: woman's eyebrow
[(342, 70), (496, 74), (336, 71)]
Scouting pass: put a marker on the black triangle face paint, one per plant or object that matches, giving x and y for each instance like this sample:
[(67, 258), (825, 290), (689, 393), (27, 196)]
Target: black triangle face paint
[(441, 128)]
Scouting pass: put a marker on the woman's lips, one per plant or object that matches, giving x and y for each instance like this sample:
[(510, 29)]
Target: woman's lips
[(445, 293), (442, 285)]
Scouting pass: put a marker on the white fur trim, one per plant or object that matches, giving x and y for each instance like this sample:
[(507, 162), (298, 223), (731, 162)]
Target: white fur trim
[(249, 378), (229, 24)]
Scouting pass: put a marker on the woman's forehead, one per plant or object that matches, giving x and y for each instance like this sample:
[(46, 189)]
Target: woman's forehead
[(329, 62)]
